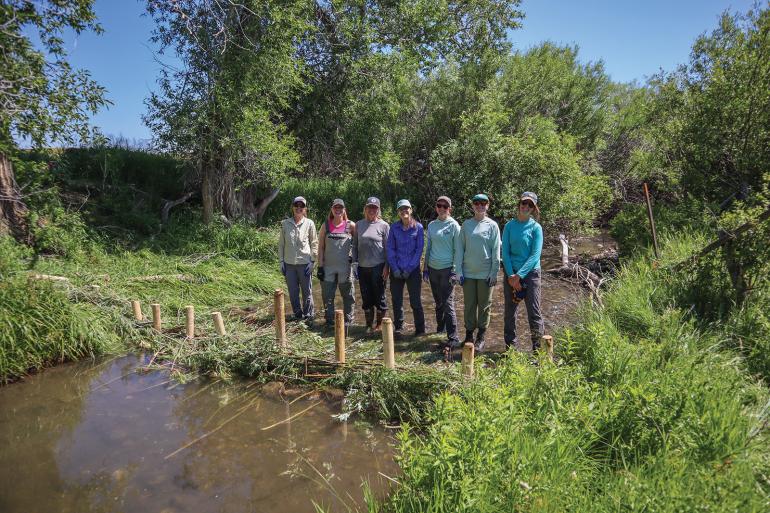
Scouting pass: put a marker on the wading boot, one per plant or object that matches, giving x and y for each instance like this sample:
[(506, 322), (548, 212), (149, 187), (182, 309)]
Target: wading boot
[(480, 340), (380, 316), (369, 315)]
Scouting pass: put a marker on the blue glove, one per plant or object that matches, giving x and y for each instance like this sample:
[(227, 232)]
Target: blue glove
[(309, 268), (426, 276), (283, 268), (453, 280), (462, 279), (491, 281)]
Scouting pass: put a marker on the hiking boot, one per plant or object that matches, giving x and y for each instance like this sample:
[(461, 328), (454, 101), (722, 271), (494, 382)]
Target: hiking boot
[(468, 337), (480, 340), (419, 333), (398, 334), (369, 316), (380, 316)]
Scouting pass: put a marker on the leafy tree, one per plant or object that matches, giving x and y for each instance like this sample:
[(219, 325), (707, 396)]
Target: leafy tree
[(42, 98)]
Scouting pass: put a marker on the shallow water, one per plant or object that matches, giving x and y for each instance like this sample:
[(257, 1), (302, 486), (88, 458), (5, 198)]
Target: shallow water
[(558, 301), (101, 437)]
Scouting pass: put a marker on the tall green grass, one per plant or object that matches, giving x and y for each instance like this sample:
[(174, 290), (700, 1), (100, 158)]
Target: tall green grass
[(645, 411)]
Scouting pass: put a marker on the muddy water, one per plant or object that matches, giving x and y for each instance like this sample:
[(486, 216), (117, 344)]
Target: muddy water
[(558, 303), (102, 438)]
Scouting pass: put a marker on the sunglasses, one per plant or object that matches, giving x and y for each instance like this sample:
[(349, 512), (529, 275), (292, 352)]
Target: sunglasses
[(442, 205), (338, 207), (527, 204), (299, 205), (480, 203)]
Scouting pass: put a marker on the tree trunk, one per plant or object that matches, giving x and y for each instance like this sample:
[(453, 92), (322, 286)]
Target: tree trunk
[(206, 196), (13, 211)]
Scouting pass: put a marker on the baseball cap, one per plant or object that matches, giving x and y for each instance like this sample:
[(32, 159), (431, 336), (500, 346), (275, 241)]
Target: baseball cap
[(445, 198), (403, 203), (531, 196), (338, 202), (481, 197), (373, 201), (298, 199)]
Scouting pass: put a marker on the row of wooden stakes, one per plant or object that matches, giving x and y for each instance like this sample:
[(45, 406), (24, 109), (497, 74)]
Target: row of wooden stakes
[(388, 349)]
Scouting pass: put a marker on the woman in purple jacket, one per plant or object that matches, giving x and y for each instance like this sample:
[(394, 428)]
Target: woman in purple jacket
[(405, 243)]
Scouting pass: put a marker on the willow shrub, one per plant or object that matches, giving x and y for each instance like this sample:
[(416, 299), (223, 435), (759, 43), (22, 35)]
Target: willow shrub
[(644, 412)]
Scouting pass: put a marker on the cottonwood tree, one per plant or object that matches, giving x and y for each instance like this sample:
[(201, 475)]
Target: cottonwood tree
[(222, 107), (42, 98)]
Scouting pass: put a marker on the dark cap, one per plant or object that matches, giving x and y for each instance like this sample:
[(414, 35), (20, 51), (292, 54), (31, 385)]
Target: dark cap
[(338, 202), (531, 196), (373, 201)]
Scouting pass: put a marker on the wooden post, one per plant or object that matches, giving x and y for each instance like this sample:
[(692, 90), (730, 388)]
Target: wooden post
[(468, 355), (156, 316), (388, 350), (548, 344), (219, 324), (137, 307), (280, 319), (339, 335), (190, 311), (652, 220)]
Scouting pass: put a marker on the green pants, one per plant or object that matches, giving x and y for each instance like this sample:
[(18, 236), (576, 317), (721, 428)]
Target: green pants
[(478, 303)]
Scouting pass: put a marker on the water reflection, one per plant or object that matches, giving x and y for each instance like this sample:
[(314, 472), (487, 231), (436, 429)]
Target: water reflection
[(104, 438)]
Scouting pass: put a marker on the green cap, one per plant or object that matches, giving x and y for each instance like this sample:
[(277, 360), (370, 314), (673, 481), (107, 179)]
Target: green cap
[(481, 197)]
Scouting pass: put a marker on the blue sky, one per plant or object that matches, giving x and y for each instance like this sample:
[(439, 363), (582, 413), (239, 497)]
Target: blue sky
[(635, 39)]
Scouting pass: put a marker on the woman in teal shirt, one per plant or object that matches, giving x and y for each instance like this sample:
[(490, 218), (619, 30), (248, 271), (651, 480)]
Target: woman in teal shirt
[(522, 245)]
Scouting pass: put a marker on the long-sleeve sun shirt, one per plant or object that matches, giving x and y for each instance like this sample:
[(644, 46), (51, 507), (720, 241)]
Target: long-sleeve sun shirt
[(297, 242), (522, 245), (440, 248), (405, 246), (477, 249)]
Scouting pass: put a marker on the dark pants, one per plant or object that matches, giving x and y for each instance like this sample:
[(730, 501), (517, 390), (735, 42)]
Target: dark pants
[(413, 285), (532, 301), (372, 287), (296, 281), (444, 296)]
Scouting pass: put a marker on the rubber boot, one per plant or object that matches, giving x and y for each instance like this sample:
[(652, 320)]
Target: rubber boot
[(380, 316), (480, 340), (468, 337), (369, 315)]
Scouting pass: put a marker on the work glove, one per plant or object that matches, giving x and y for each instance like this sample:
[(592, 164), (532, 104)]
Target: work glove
[(395, 273), (453, 280), (283, 268), (354, 265), (492, 281), (320, 273), (462, 279), (309, 268), (426, 276)]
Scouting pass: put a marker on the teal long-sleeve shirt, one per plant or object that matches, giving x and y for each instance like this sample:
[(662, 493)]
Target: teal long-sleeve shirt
[(440, 250), (477, 249), (522, 245)]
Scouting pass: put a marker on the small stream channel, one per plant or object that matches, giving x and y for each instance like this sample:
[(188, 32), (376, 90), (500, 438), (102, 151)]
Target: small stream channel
[(99, 437)]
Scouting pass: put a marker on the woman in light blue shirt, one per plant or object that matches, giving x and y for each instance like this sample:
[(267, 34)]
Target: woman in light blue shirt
[(522, 245), (439, 268)]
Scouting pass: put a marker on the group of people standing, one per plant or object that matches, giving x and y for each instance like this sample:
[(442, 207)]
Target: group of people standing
[(373, 252)]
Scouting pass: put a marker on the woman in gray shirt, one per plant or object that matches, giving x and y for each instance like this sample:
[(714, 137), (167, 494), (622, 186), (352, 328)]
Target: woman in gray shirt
[(371, 238)]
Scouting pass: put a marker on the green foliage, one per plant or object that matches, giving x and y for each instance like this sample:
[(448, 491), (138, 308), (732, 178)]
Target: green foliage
[(644, 412), (537, 158), (42, 96)]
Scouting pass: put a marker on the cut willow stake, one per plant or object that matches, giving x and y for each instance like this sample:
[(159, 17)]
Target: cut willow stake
[(156, 316), (388, 349), (137, 307), (280, 320), (468, 355), (219, 324), (548, 344), (190, 327), (339, 335)]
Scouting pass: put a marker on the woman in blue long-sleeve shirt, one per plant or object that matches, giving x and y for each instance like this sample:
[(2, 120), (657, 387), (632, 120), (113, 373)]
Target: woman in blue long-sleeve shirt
[(522, 245), (405, 243)]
